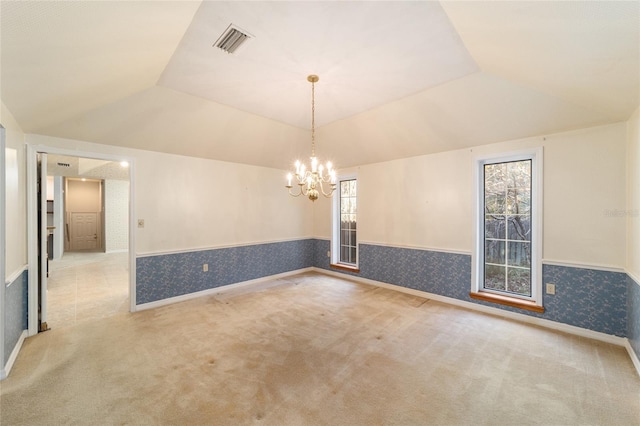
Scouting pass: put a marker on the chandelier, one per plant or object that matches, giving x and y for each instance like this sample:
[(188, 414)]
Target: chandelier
[(311, 182)]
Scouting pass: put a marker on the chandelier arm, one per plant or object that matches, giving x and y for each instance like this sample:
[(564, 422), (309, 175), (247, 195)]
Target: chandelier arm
[(327, 179), (330, 193), (292, 194), (301, 190)]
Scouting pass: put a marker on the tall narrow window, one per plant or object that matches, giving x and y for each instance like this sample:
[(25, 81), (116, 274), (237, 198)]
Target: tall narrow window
[(348, 221), (344, 242), (508, 229)]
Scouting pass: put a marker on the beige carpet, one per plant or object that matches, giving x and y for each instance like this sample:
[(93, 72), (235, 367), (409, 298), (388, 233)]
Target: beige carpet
[(317, 350)]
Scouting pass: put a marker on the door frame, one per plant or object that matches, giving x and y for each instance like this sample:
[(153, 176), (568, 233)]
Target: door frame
[(3, 242), (32, 223), (100, 215)]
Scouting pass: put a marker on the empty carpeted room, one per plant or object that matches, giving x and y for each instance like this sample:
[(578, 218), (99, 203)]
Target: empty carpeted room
[(335, 213)]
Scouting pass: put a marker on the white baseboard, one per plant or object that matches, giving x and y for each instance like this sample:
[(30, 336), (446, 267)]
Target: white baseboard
[(579, 331), (116, 251), (217, 290), (14, 355), (633, 356)]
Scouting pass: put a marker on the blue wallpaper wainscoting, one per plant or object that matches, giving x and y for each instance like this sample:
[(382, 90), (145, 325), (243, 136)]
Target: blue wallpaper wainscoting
[(633, 314), (170, 275), (15, 313), (586, 298)]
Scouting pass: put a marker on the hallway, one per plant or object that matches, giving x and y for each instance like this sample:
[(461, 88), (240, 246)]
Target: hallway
[(87, 286)]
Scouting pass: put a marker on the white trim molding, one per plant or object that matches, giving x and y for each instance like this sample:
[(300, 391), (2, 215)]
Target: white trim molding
[(222, 246), (632, 276), (633, 356), (570, 264), (3, 243), (407, 246), (218, 290), (13, 277), (4, 373)]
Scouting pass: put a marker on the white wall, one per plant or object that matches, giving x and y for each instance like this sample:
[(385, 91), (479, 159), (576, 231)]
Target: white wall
[(426, 201), (189, 203), (116, 212), (16, 216), (633, 194)]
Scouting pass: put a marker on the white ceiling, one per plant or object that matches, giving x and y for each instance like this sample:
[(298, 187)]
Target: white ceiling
[(397, 79)]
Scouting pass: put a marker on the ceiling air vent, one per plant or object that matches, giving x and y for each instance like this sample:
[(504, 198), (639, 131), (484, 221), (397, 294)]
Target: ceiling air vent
[(232, 39)]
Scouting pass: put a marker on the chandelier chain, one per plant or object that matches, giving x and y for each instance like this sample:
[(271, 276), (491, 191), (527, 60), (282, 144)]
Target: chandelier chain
[(313, 119)]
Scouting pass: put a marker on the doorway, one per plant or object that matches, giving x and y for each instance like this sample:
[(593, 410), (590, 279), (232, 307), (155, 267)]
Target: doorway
[(89, 244), (84, 208)]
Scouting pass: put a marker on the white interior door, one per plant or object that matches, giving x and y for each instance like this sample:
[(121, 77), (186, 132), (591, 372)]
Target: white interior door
[(43, 254), (84, 231)]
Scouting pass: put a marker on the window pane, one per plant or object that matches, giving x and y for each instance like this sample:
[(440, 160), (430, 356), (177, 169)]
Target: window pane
[(344, 189), (353, 255), (343, 236), (494, 177), (519, 174), (494, 252), (519, 228), (518, 201), (494, 277), (519, 254), (352, 188), (519, 281), (344, 206), (495, 203), (494, 227)]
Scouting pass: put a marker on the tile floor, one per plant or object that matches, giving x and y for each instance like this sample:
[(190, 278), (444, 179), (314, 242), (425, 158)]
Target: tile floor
[(87, 286)]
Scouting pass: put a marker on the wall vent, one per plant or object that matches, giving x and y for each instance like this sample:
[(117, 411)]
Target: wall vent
[(232, 38), (64, 164)]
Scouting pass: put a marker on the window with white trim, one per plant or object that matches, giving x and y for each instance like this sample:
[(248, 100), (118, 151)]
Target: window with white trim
[(508, 227), (345, 241)]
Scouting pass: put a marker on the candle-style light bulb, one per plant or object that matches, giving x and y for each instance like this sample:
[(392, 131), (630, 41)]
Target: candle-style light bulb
[(298, 167), (314, 164), (289, 179)]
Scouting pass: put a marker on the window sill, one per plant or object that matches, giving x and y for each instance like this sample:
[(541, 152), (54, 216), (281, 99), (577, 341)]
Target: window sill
[(343, 267), (514, 302)]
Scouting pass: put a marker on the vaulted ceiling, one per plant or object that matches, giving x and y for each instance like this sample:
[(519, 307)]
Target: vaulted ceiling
[(397, 79)]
